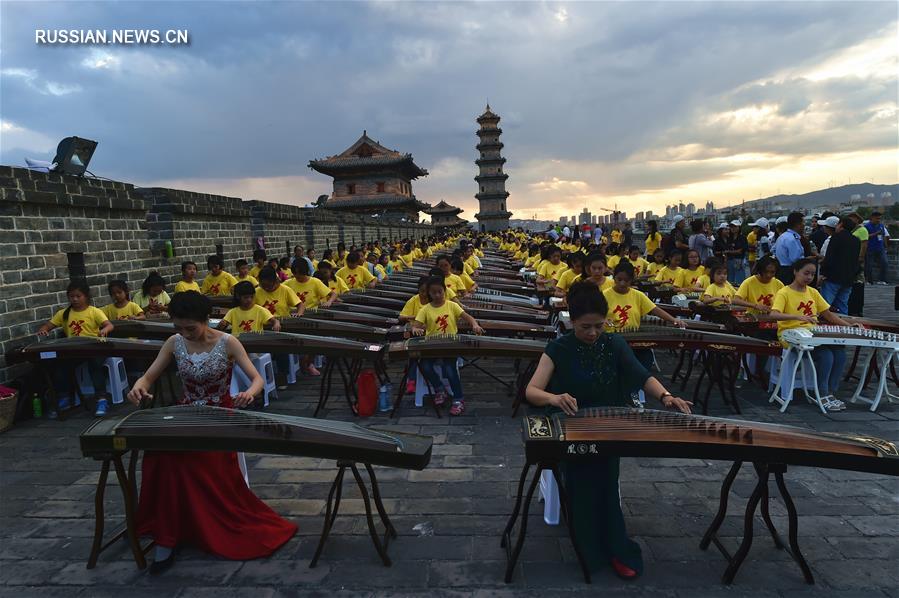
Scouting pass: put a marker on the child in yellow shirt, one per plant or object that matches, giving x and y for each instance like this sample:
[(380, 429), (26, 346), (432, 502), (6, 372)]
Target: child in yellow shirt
[(458, 268), (218, 282), (595, 269), (658, 262), (355, 275), (573, 274), (311, 291), (259, 260), (640, 265), (720, 291), (243, 273), (552, 268), (122, 307), (440, 316), (687, 279), (668, 274), (325, 273), (188, 276), (80, 318), (247, 315)]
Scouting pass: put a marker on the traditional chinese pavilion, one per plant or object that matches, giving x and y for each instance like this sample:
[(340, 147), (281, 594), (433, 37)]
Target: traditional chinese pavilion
[(372, 179), (445, 216)]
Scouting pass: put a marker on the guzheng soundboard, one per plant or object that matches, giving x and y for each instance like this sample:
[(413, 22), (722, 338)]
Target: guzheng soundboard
[(630, 432), (464, 345), (206, 428)]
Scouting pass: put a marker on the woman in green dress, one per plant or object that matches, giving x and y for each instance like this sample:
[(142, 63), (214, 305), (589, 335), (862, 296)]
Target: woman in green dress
[(585, 368)]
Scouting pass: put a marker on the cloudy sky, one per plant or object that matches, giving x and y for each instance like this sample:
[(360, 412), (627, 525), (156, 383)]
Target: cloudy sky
[(631, 104)]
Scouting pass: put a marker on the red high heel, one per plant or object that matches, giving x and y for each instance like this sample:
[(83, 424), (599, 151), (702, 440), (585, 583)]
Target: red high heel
[(623, 571)]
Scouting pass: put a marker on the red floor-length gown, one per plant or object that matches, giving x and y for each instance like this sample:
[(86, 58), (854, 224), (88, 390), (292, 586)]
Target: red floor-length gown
[(201, 498)]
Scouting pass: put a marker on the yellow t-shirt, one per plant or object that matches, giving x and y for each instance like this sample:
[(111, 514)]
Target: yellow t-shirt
[(249, 278), (472, 262), (568, 278), (142, 301), (467, 269), (808, 303), (751, 239), (688, 278), (612, 261), (412, 307), (311, 293), (454, 282), (626, 310), (617, 236), (653, 269), (726, 291), (408, 259), (704, 281), (381, 270), (130, 310), (667, 275), (81, 323), (355, 278), (440, 320), (652, 243), (218, 285), (183, 285), (338, 286), (640, 265), (255, 270), (251, 320), (754, 291), (551, 271), (466, 280), (607, 283), (397, 265), (532, 261), (279, 302)]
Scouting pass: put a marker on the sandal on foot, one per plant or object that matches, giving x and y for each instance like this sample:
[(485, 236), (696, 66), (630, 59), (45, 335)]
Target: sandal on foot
[(623, 571), (440, 398), (458, 408)]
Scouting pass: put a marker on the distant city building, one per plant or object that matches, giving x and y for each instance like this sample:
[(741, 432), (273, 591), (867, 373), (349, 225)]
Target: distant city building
[(585, 217), (691, 210), (492, 214), (639, 216), (371, 179), (563, 220), (709, 207)]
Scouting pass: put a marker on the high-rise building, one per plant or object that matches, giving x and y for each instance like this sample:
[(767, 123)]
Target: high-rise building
[(709, 207), (563, 220), (585, 217), (691, 209), (492, 214), (639, 217)]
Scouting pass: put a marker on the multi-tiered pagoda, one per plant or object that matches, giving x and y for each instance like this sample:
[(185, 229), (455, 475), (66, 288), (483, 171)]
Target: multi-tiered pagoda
[(371, 179), (446, 217), (492, 214)]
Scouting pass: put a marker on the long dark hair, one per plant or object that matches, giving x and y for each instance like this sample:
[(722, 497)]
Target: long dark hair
[(153, 280)]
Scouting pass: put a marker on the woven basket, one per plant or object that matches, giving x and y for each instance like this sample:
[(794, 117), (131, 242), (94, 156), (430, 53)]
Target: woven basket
[(8, 410)]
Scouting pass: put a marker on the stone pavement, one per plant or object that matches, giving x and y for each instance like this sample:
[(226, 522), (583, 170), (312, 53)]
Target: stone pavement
[(450, 515)]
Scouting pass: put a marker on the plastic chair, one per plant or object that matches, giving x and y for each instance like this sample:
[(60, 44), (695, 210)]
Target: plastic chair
[(795, 369), (240, 381), (549, 494), (293, 368), (116, 379)]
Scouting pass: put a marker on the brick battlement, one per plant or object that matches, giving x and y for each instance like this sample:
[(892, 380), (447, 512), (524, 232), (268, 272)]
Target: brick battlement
[(120, 231)]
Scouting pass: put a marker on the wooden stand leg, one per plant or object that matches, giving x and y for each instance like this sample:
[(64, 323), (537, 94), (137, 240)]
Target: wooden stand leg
[(99, 516), (130, 515), (324, 390)]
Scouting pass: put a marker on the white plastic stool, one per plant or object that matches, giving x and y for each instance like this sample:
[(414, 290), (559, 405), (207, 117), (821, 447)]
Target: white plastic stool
[(797, 370), (549, 494), (116, 379), (263, 364), (293, 368)]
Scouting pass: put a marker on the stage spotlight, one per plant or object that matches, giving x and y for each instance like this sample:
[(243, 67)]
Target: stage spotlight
[(73, 155)]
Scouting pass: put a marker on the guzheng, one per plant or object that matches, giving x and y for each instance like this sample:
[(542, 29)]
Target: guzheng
[(305, 344), (362, 309), (376, 320), (499, 312), (669, 337), (464, 345), (842, 336), (348, 330), (492, 328), (206, 428), (630, 432), (83, 347), (372, 299)]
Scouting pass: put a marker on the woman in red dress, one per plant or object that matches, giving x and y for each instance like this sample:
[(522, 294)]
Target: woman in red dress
[(201, 498)]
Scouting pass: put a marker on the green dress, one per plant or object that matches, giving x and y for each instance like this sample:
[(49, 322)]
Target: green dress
[(603, 374)]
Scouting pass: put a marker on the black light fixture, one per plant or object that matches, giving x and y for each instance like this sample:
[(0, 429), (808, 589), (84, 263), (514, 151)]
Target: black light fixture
[(73, 155)]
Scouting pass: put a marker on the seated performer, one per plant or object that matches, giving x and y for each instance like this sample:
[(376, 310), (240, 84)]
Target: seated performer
[(201, 498), (595, 269), (247, 315), (669, 273), (573, 274), (152, 297), (592, 368), (759, 290), (799, 304), (440, 316), (687, 279)]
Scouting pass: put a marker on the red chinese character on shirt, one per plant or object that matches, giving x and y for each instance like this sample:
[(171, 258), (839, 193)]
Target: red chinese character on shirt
[(621, 312), (351, 280), (805, 307), (270, 305), (303, 296), (77, 327), (767, 299), (246, 325), (443, 322), (214, 289)]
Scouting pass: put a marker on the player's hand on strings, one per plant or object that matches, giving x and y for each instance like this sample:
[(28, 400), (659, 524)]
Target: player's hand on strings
[(672, 402), (138, 395), (565, 402), (680, 323), (418, 331), (242, 399), (477, 329)]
